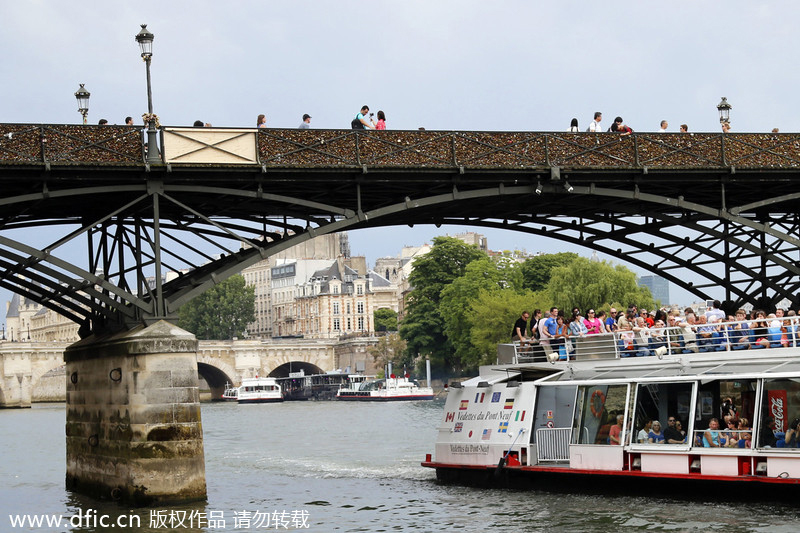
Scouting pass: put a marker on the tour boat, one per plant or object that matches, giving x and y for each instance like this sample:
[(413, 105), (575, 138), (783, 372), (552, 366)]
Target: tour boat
[(231, 393), (395, 388), (535, 419), (259, 390)]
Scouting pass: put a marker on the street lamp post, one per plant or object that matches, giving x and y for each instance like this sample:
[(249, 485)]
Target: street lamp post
[(145, 40), (724, 109), (82, 95)]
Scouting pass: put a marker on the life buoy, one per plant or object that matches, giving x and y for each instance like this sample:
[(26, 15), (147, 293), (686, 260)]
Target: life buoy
[(597, 409)]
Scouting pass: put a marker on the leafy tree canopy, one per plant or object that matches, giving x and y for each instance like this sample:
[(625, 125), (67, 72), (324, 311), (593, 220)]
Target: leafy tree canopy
[(584, 283), (423, 326), (385, 320), (536, 271), (481, 275), (220, 313)]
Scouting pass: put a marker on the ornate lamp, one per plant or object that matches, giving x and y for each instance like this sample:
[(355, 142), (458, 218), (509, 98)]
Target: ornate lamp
[(724, 109), (82, 95)]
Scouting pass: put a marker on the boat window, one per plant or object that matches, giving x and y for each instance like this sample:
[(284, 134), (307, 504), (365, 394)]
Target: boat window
[(660, 409), (780, 414), (596, 418), (726, 400)]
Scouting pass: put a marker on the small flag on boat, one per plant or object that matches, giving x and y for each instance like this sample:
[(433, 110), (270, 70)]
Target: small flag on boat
[(449, 417), (479, 397), (518, 417), (464, 405), (503, 427), (459, 427), (495, 397), (487, 434), (509, 403)]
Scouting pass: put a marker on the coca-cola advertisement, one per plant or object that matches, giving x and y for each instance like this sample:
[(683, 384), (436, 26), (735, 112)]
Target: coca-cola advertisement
[(777, 408)]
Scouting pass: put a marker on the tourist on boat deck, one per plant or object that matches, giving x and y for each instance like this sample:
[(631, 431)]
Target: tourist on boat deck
[(594, 326), (520, 328), (562, 338), (576, 326), (611, 321), (548, 329), (615, 431), (655, 436), (671, 434), (644, 434), (739, 333), (711, 435)]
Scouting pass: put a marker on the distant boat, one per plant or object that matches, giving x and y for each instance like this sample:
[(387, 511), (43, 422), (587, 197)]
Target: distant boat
[(255, 390), (383, 390), (231, 393)]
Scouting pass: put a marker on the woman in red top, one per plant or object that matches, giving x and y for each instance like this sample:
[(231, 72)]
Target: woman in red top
[(593, 324), (381, 125)]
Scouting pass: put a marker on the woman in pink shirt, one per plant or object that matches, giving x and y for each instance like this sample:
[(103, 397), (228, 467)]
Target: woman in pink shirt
[(593, 324), (381, 125)]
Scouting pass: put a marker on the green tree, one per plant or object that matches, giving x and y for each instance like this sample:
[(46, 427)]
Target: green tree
[(389, 349), (222, 312), (483, 274), (584, 283), (492, 315), (385, 320), (536, 271), (423, 327)]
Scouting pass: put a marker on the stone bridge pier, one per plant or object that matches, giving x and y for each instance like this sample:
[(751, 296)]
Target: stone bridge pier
[(133, 426)]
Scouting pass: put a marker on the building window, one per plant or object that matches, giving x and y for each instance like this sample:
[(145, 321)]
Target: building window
[(360, 289), (348, 325), (335, 308), (360, 308), (361, 323), (348, 308), (336, 324)]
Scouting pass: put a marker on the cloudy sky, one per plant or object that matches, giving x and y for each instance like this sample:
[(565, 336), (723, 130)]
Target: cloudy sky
[(441, 64)]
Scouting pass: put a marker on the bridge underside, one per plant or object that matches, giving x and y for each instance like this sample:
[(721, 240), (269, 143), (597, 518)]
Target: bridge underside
[(729, 226)]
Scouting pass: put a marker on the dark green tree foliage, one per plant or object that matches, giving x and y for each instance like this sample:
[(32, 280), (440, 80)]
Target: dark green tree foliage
[(220, 313), (385, 320), (423, 325), (536, 270)]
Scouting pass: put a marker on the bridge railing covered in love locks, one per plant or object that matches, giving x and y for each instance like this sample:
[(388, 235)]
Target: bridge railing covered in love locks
[(22, 144)]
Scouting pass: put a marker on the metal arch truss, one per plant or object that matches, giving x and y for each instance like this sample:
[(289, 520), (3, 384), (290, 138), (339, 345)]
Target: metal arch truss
[(143, 231)]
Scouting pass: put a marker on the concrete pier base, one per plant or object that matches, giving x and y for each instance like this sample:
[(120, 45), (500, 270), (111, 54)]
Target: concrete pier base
[(133, 417)]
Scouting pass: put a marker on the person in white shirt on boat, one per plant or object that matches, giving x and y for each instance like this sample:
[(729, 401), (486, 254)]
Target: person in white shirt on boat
[(643, 435)]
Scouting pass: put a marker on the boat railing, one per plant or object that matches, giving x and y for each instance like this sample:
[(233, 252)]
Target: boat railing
[(552, 445), (681, 338)]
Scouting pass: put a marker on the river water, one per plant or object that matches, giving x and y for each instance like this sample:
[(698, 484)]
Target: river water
[(336, 466)]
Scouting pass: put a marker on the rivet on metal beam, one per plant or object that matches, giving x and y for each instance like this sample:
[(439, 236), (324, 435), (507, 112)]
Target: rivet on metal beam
[(115, 375), (94, 440), (73, 378)]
